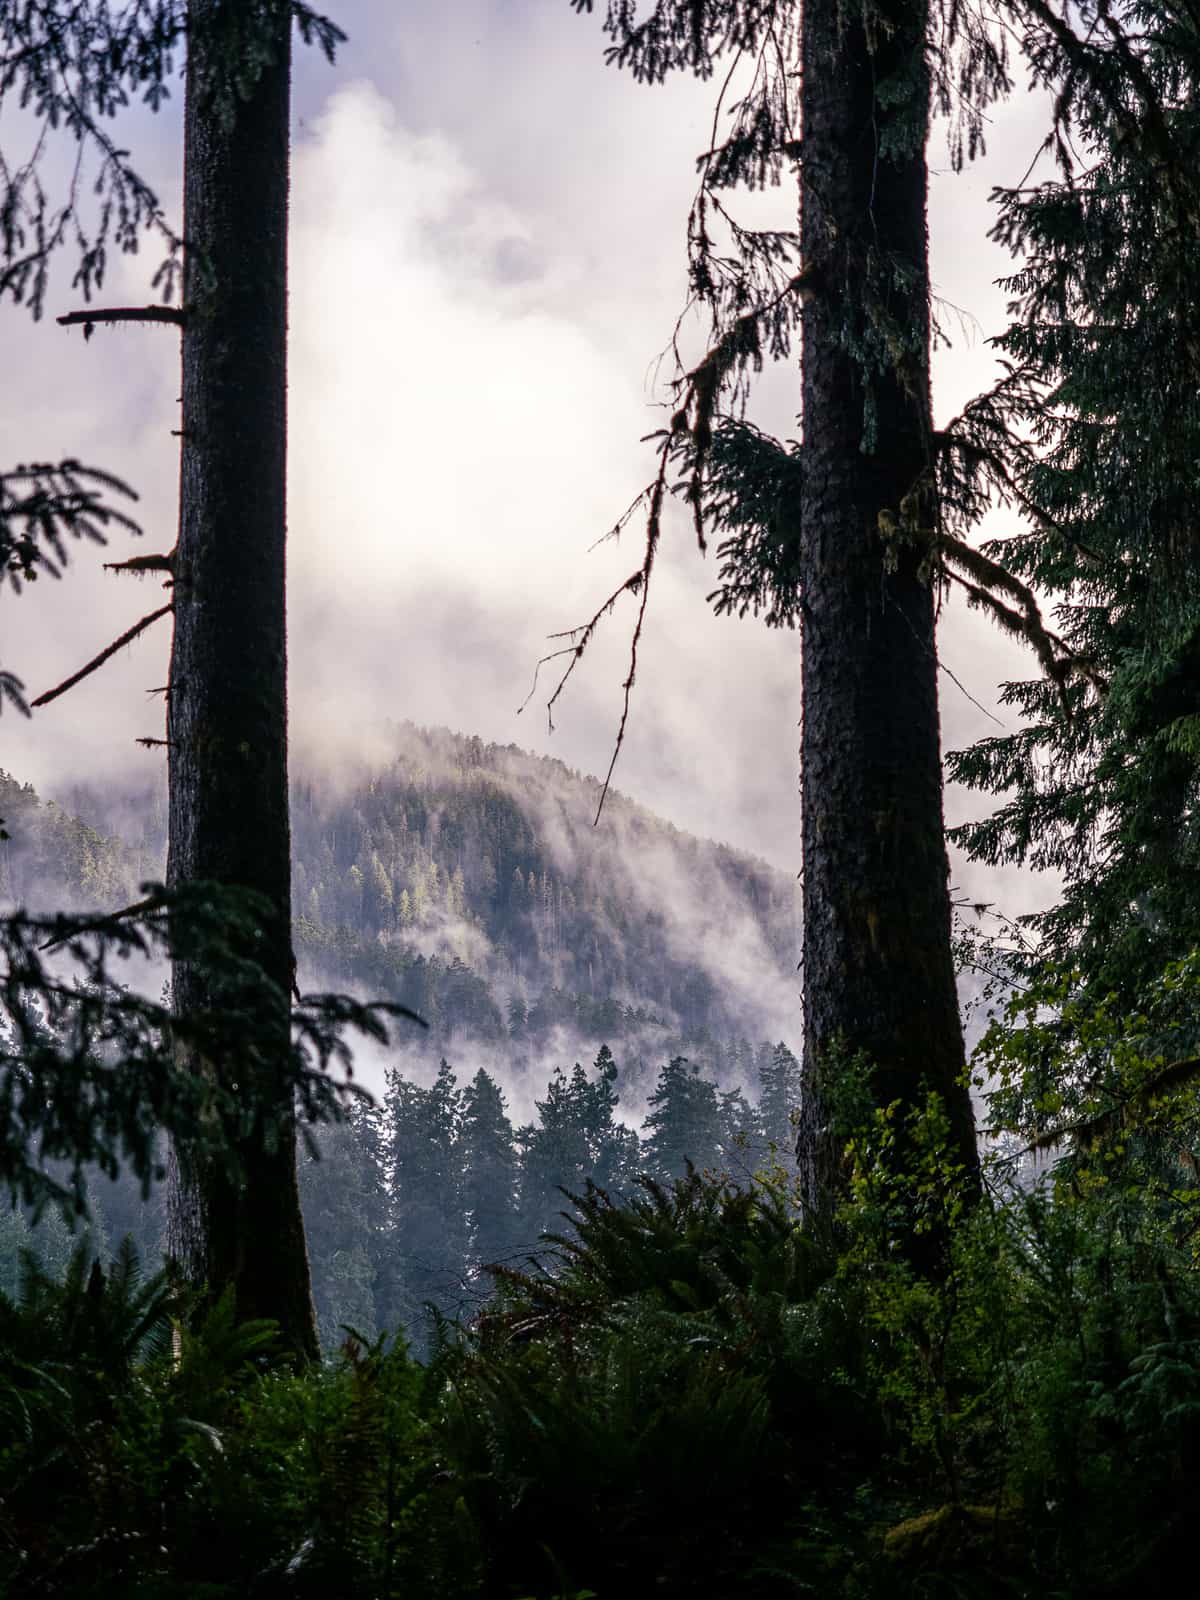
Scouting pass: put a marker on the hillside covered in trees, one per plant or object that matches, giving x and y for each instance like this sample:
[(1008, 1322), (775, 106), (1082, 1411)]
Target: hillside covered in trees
[(600, 1003), (468, 881), (584, 1024)]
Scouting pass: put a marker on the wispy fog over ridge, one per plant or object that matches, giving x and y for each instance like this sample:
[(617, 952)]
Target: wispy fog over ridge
[(480, 283), (469, 881), (457, 850)]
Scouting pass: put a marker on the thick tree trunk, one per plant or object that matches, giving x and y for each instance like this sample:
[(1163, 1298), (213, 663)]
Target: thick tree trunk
[(878, 975), (227, 711)]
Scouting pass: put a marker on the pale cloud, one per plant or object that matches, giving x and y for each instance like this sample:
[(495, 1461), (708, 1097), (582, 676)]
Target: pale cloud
[(459, 441), (487, 254)]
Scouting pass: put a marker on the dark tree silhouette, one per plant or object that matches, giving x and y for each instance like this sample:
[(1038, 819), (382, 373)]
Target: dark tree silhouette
[(227, 695), (843, 534), (878, 972), (236, 1215)]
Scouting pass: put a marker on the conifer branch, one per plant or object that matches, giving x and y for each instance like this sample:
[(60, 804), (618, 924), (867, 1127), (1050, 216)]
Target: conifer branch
[(966, 435), (1087, 61), (108, 923), (127, 637), (1022, 626), (171, 315), (699, 393), (701, 388), (984, 580)]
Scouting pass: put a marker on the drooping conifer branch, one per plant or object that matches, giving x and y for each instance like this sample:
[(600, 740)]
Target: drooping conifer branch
[(739, 347), (44, 504), (96, 662), (691, 428), (1090, 62), (985, 581)]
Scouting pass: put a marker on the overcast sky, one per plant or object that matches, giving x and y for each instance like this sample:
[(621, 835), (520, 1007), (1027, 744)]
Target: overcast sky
[(487, 254)]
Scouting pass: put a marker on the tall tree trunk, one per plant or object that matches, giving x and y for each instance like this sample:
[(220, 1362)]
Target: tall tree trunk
[(227, 711), (878, 974)]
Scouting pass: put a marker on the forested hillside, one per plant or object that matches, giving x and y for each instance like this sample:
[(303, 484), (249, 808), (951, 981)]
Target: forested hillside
[(468, 882), (53, 859), (409, 1202)]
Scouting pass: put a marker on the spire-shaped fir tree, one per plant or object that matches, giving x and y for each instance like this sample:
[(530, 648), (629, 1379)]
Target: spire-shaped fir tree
[(420, 1132), (554, 1155), (779, 1083), (683, 1121), (345, 1203), (616, 1151), (576, 1139), (488, 1154)]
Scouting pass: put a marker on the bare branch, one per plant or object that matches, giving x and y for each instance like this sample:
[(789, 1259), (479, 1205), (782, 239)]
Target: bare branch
[(109, 923), (171, 315), (140, 565), (98, 661)]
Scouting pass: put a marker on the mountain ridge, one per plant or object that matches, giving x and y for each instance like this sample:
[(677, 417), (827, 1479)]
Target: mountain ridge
[(465, 879)]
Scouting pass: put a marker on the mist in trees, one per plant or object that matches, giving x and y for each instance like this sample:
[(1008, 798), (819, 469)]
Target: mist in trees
[(410, 1203), (414, 1202)]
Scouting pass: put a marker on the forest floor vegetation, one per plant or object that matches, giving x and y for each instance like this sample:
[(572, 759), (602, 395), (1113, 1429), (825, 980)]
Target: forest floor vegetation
[(690, 1396)]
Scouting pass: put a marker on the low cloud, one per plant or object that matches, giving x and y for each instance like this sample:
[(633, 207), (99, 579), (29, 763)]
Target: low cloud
[(479, 280)]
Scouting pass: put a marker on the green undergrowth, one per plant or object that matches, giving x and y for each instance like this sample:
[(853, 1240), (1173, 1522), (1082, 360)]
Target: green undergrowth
[(149, 1449), (690, 1398)]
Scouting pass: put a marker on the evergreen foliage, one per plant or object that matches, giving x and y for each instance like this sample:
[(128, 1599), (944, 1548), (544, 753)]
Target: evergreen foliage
[(42, 506), (347, 1224), (483, 859), (779, 1087), (75, 68), (687, 1385), (411, 1205), (421, 1134), (684, 1120), (79, 66), (1099, 782), (150, 1449), (682, 1386), (89, 1074), (489, 1164), (53, 859)]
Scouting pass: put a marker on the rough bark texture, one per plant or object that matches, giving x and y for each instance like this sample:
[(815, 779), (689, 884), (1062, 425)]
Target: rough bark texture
[(227, 709), (878, 974)]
